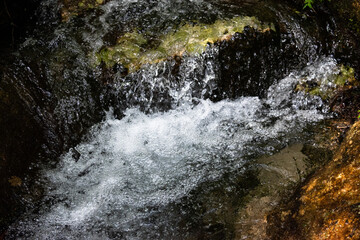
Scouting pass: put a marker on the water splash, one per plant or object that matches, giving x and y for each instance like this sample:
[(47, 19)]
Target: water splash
[(131, 169)]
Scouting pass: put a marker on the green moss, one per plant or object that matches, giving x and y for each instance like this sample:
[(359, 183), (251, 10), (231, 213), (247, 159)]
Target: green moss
[(316, 91), (325, 88), (346, 75), (127, 52), (132, 51)]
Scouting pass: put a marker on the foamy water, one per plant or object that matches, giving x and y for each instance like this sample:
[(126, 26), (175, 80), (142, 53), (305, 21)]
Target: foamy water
[(131, 169)]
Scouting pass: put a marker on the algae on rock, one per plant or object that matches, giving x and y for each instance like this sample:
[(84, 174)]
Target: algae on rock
[(128, 51), (325, 87), (75, 7), (132, 49)]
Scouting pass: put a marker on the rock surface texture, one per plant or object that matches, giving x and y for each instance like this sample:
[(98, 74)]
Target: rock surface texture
[(328, 205)]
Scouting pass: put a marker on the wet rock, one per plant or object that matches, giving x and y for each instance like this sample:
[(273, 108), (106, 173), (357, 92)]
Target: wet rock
[(349, 12), (242, 63), (276, 174), (340, 90), (343, 18), (74, 8), (346, 103), (328, 87), (23, 131), (133, 50), (17, 17), (326, 207), (44, 116), (53, 96)]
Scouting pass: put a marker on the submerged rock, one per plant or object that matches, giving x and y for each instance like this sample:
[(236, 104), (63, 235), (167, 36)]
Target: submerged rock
[(277, 174), (327, 206)]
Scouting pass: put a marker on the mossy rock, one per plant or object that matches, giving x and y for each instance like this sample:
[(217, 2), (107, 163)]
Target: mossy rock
[(133, 49), (344, 78), (76, 7)]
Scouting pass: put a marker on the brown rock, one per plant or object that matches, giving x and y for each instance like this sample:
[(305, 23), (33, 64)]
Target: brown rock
[(329, 203)]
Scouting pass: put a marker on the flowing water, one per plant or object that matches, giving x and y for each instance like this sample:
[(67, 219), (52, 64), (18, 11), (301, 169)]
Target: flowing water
[(167, 161), (126, 180)]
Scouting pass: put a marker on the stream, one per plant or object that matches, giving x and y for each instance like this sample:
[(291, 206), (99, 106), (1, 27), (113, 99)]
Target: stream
[(132, 175), (161, 153)]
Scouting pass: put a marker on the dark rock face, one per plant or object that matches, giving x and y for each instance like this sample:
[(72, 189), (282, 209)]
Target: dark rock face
[(341, 23), (39, 119), (16, 18), (252, 61), (21, 135), (248, 71)]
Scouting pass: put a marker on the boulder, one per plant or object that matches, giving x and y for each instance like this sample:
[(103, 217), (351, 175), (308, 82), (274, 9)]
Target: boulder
[(327, 206)]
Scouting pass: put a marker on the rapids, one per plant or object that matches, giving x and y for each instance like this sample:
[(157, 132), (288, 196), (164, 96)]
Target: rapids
[(130, 176), (164, 152)]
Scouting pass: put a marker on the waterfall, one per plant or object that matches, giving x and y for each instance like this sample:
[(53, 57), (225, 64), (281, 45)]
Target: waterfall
[(129, 176), (158, 150)]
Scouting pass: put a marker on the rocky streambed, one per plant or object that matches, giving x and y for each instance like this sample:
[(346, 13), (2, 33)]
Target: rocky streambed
[(181, 120)]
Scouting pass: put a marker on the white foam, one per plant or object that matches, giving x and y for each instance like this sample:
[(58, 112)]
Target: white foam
[(153, 160)]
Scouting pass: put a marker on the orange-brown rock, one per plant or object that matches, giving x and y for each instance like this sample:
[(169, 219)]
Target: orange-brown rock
[(328, 205)]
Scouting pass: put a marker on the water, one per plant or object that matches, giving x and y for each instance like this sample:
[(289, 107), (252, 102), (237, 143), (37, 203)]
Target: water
[(174, 155), (133, 178)]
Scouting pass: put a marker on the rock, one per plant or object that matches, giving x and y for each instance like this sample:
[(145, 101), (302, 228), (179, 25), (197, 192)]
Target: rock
[(328, 86), (276, 174), (349, 12), (346, 103), (15, 181), (133, 51), (343, 37), (51, 96), (16, 21), (46, 113), (72, 8), (249, 62), (327, 206)]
